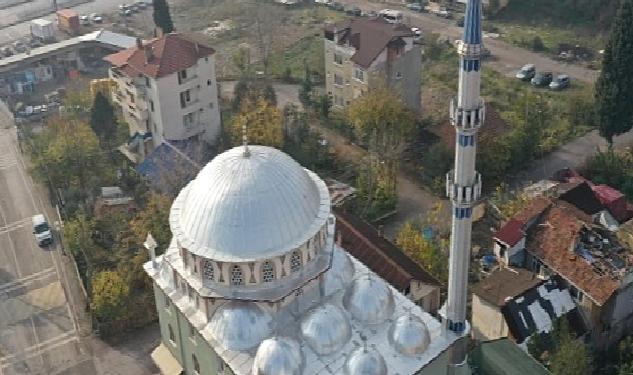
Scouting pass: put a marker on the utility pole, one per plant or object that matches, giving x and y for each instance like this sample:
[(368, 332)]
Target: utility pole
[(463, 184)]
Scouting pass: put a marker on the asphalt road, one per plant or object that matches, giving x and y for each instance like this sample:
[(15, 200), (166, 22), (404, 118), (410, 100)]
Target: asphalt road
[(39, 333)]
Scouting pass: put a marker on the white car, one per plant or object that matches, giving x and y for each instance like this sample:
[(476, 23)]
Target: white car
[(96, 18), (84, 20), (42, 231), (417, 33)]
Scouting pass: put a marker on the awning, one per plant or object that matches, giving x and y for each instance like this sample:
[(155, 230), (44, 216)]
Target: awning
[(165, 361)]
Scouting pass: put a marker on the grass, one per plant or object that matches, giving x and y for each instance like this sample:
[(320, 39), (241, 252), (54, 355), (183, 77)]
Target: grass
[(306, 52)]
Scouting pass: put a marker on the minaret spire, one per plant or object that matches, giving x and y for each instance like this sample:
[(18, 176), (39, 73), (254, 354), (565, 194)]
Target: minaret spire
[(463, 184)]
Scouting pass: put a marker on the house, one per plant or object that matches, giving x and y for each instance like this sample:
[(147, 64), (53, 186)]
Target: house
[(566, 236), (365, 53), (112, 199), (167, 91), (515, 303), (365, 243)]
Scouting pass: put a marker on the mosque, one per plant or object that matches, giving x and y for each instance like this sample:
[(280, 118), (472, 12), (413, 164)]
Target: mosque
[(253, 282)]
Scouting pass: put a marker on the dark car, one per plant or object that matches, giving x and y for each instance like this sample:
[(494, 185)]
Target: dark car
[(354, 11), (337, 6), (542, 79), (416, 7), (560, 82)]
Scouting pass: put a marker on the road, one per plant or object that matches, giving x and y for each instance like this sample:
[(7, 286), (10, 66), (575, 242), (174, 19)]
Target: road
[(39, 332), (506, 59)]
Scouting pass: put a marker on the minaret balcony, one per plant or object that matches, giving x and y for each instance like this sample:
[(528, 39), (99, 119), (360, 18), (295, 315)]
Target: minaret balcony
[(463, 195), (467, 120), (471, 51)]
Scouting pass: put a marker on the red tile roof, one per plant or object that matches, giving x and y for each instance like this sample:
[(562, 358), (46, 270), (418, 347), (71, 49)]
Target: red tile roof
[(363, 242), (67, 13), (551, 242), (169, 54), (369, 36), (511, 232), (534, 209)]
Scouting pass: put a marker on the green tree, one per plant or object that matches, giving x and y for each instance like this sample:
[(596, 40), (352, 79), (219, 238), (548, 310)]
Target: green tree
[(614, 88), (305, 92), (103, 120), (78, 234), (162, 17), (425, 252), (109, 296), (249, 91), (153, 218), (263, 122), (324, 106), (570, 358)]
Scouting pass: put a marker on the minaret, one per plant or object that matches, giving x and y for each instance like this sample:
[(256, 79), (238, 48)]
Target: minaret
[(463, 184)]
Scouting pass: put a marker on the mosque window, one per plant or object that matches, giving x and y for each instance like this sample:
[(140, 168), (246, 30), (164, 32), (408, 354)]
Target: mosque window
[(208, 270), (196, 364), (268, 272), (237, 278), (295, 261)]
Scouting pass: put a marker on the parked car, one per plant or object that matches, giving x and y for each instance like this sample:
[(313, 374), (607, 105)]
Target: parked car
[(96, 18), (123, 6), (42, 231), (443, 13), (126, 13), (416, 7), (371, 14), (526, 73), (323, 2), (6, 51), (542, 79), (19, 46), (417, 33), (84, 20), (141, 5), (336, 6), (354, 11), (561, 82)]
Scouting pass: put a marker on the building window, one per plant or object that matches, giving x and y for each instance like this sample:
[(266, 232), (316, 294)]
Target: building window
[(237, 278), (148, 83), (338, 80), (359, 74), (151, 105), (338, 59), (398, 75), (211, 105), (172, 337), (182, 75), (268, 272), (208, 82), (187, 120), (295, 261), (206, 59), (167, 302), (208, 270), (185, 98), (196, 364)]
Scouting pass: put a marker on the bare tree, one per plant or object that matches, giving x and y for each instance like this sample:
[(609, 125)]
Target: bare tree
[(266, 24)]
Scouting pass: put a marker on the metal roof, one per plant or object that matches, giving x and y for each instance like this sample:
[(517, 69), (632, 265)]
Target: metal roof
[(503, 357), (244, 208)]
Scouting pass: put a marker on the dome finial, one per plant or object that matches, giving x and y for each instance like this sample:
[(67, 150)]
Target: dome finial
[(247, 152)]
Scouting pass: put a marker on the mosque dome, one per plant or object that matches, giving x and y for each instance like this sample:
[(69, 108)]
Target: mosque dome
[(326, 329), (249, 207), (369, 299), (240, 325), (340, 274), (278, 356), (409, 335), (365, 361)]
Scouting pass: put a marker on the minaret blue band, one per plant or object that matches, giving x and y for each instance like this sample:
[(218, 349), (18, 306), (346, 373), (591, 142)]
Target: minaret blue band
[(472, 22)]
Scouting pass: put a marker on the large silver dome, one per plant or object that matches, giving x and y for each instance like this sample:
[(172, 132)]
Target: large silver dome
[(409, 335), (326, 329), (278, 356), (241, 208), (340, 273), (369, 299), (240, 325), (365, 361)]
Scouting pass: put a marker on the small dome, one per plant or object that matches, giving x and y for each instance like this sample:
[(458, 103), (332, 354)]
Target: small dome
[(241, 208), (340, 273), (365, 361), (409, 335), (369, 299), (240, 325), (326, 329), (278, 356)]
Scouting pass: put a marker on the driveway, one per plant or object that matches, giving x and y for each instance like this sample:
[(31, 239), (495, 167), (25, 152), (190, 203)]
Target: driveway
[(506, 59)]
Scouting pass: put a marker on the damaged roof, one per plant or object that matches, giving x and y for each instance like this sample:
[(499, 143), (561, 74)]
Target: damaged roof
[(504, 284)]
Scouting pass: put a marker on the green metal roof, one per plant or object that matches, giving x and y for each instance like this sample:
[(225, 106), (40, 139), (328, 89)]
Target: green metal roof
[(503, 357)]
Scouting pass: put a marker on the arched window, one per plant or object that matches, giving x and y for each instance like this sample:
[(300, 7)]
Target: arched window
[(295, 261), (237, 278), (196, 364), (268, 272), (208, 270), (172, 337)]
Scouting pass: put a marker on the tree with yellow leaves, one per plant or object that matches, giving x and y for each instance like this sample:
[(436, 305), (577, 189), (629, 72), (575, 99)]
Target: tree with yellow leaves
[(263, 123), (425, 252), (109, 296)]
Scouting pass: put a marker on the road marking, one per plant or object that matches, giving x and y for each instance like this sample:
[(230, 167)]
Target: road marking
[(12, 247), (25, 281), (38, 349), (15, 225)]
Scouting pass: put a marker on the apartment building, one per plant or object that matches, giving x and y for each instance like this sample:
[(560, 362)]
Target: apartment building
[(167, 91), (361, 53)]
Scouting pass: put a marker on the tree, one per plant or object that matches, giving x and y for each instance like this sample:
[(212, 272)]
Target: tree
[(324, 106), (162, 18), (249, 90), (612, 168), (109, 296), (570, 358), (103, 120), (614, 87), (154, 218), (424, 251), (305, 92), (266, 24), (263, 122), (242, 59)]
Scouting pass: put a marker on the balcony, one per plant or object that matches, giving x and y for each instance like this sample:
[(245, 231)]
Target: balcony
[(467, 119), (463, 196)]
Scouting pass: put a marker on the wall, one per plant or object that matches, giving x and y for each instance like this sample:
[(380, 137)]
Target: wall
[(426, 296), (410, 84), (487, 321)]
